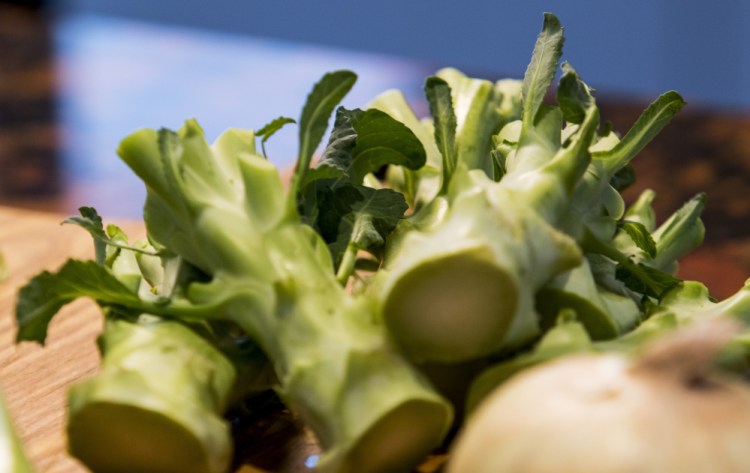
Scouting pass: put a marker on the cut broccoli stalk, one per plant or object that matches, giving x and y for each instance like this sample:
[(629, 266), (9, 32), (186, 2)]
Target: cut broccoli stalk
[(456, 287), (223, 209), (163, 387), (13, 459), (466, 288), (156, 405)]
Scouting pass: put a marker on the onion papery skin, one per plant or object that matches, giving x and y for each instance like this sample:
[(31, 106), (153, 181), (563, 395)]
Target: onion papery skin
[(601, 414)]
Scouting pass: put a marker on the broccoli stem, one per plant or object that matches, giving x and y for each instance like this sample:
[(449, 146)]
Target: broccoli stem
[(464, 287), (156, 405), (370, 409)]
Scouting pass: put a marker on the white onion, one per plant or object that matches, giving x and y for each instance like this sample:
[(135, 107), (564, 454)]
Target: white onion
[(665, 412)]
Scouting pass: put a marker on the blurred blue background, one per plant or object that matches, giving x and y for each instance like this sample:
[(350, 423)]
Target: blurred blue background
[(123, 65), (76, 76), (636, 47)]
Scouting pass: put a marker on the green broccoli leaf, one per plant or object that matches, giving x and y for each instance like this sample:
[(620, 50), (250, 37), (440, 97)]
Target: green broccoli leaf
[(48, 292), (438, 94), (641, 278), (338, 155), (354, 218), (640, 236), (362, 142), (313, 122), (646, 280), (113, 235), (541, 70), (382, 140), (648, 125), (92, 223), (573, 96)]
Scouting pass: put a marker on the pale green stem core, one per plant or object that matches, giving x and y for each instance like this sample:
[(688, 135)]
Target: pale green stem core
[(156, 404)]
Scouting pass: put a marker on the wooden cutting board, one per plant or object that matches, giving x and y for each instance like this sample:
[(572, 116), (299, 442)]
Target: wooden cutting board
[(34, 378)]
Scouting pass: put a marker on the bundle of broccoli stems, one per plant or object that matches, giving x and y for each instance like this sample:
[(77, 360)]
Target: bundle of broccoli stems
[(378, 309)]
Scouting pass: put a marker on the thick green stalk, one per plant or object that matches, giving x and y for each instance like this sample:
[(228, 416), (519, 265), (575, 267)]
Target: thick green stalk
[(156, 405), (272, 277), (338, 389), (464, 287), (477, 276), (334, 366)]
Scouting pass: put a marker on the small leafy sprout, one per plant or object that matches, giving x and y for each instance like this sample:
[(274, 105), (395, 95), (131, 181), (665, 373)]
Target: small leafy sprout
[(270, 129), (90, 221)]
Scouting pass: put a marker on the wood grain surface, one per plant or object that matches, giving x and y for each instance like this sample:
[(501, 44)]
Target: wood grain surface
[(35, 378)]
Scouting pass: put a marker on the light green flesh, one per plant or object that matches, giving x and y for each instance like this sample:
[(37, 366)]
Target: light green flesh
[(451, 309), (140, 443), (398, 441)]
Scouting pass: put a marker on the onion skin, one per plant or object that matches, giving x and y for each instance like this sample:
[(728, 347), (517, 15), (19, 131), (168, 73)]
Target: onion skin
[(608, 414)]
